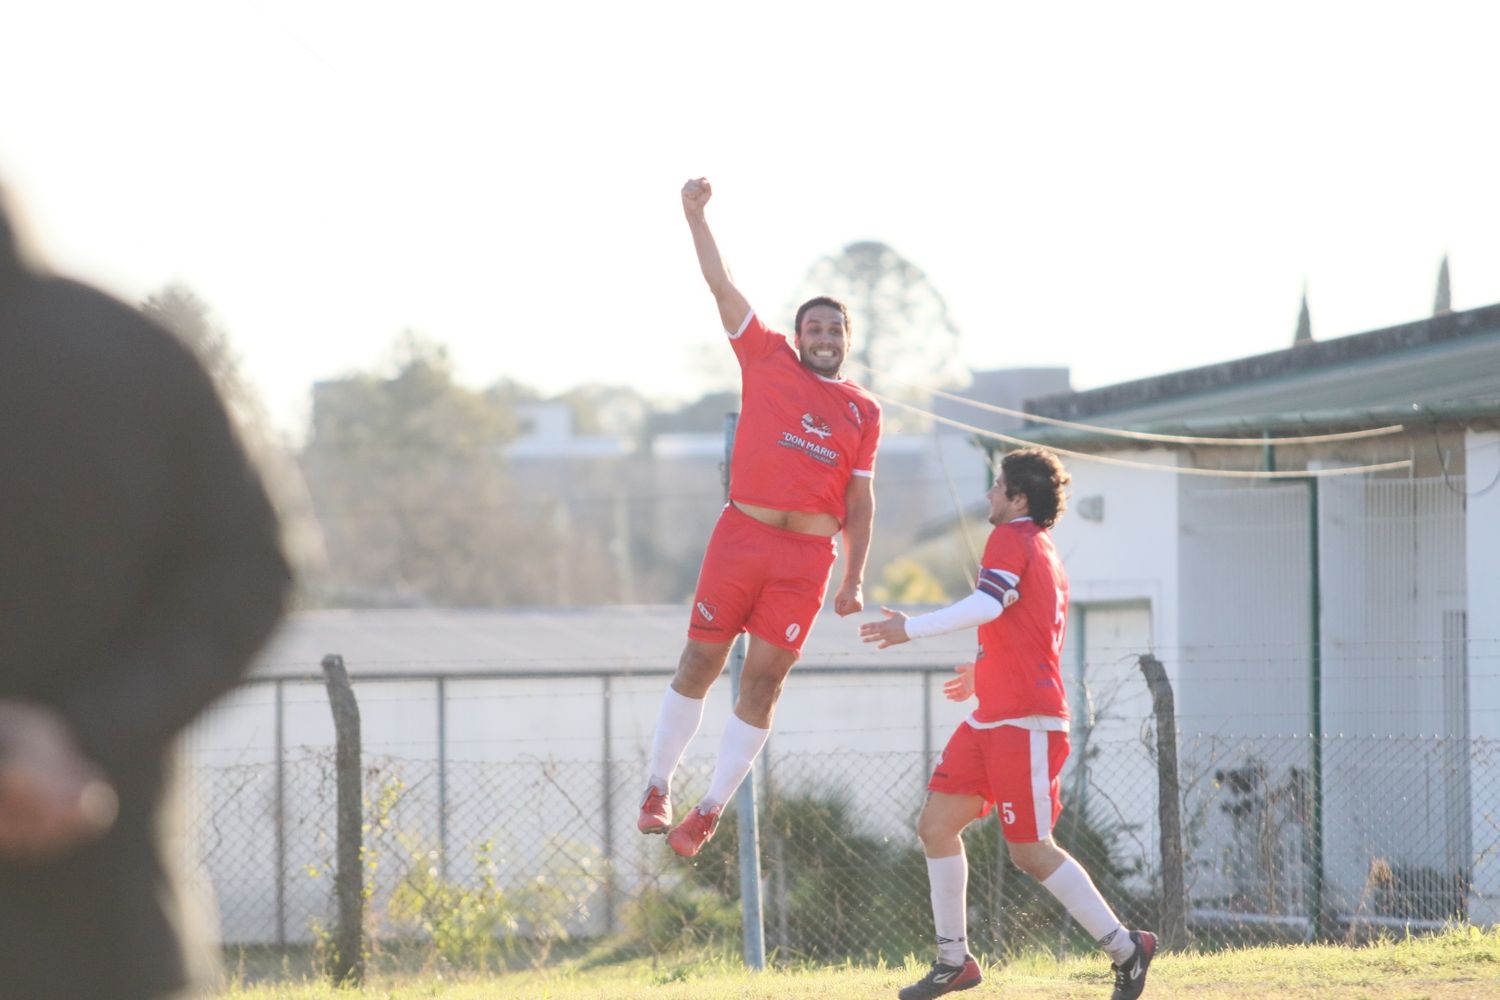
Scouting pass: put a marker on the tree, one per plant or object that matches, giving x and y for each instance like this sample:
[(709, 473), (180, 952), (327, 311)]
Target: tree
[(422, 507), (613, 410), (904, 340), (413, 409), (180, 310), (906, 581), (704, 415), (406, 472)]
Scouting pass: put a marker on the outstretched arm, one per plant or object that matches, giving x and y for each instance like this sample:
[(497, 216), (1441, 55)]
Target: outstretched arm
[(896, 628), (733, 306)]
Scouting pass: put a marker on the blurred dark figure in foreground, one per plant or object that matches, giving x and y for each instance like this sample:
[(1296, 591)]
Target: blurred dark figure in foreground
[(140, 570)]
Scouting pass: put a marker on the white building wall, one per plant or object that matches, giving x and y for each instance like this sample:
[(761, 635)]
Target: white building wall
[(1392, 580), (1118, 540), (1483, 556), (1128, 553)]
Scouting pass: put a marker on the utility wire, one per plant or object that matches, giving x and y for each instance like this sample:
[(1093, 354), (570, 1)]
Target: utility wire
[(1184, 470), (1141, 435)]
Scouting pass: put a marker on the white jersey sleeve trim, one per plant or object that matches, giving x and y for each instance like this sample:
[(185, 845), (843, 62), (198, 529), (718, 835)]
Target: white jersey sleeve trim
[(736, 335), (971, 612), (867, 473)]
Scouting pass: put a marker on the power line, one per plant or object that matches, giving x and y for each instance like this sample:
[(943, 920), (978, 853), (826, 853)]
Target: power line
[(1183, 470), (1142, 435)]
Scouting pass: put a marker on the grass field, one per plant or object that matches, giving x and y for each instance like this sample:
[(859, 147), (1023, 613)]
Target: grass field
[(1459, 965)]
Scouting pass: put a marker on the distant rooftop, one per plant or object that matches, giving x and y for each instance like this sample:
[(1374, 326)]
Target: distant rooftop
[(1447, 365), (615, 639)]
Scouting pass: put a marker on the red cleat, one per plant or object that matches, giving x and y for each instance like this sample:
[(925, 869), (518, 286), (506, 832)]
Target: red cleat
[(693, 832), (656, 811)]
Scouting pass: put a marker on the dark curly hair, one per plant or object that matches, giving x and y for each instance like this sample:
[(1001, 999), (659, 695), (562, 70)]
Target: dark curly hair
[(1040, 475), (821, 300)]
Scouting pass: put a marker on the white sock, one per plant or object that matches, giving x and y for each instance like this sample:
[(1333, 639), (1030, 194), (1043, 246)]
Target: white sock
[(1075, 891), (948, 879), (676, 724), (737, 752)]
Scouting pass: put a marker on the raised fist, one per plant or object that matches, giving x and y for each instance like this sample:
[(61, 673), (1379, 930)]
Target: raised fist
[(695, 194)]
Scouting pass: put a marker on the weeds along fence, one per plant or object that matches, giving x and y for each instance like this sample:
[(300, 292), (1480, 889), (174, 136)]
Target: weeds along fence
[(498, 820)]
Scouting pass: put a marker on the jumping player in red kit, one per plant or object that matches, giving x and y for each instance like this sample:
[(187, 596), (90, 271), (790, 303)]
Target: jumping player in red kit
[(802, 471), (1009, 753)]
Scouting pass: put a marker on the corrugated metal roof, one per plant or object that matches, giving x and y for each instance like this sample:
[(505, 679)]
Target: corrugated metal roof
[(550, 640), (1446, 363)]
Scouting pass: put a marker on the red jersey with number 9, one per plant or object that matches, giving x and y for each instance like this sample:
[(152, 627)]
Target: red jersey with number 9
[(800, 435), (1018, 670)]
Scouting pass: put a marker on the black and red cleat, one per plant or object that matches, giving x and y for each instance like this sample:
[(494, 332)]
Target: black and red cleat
[(1130, 976), (942, 979)]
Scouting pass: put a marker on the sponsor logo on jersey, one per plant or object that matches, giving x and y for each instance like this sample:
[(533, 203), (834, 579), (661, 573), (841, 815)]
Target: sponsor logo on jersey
[(819, 452), (792, 631), (859, 420), (816, 425), (706, 611)]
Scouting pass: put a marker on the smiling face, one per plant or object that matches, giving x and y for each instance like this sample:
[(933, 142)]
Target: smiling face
[(823, 340)]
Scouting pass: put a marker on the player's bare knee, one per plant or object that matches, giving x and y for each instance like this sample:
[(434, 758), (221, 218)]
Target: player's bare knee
[(1024, 862), (759, 694), (1039, 860), (697, 670), (936, 834), (927, 831)]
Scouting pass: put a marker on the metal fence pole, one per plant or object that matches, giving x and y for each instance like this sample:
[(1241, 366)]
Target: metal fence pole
[(607, 779), (442, 768), (280, 810), (752, 914), (749, 827), (1319, 926), (925, 679)]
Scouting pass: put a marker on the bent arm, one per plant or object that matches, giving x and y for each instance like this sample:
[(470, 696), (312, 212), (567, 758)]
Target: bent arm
[(733, 306), (859, 520)]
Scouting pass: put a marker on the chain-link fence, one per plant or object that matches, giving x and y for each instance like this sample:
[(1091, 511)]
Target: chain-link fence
[(533, 853)]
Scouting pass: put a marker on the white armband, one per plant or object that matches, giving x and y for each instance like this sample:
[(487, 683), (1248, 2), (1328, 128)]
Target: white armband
[(971, 612)]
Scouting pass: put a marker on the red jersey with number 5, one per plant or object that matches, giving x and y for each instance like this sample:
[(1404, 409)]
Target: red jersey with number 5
[(1018, 670), (800, 435)]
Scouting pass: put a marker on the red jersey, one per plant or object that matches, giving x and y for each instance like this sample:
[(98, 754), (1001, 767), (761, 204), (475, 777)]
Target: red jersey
[(800, 435), (1018, 670)]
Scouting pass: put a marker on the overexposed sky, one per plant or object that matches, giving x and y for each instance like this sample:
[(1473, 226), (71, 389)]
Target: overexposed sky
[(1124, 189)]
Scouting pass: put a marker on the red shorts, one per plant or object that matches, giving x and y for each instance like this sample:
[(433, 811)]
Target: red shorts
[(1009, 767), (758, 579)]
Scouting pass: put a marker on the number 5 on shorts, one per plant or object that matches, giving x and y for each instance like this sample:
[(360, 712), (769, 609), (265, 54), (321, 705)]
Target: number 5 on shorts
[(1007, 813)]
